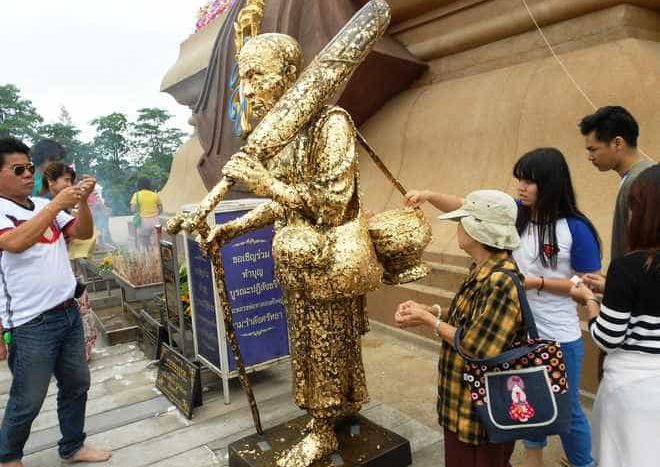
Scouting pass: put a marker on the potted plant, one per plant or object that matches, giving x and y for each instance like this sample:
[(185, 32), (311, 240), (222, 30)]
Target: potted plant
[(184, 292)]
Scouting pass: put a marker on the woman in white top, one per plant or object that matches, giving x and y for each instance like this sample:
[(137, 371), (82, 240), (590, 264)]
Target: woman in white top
[(557, 241), (627, 327)]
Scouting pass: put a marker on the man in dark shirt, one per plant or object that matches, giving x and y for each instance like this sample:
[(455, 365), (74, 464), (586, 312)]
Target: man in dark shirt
[(611, 142)]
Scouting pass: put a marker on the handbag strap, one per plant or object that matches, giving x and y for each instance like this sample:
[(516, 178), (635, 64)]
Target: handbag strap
[(528, 322)]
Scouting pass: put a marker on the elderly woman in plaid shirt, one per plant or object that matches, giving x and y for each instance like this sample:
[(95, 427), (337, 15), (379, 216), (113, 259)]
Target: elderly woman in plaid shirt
[(488, 308)]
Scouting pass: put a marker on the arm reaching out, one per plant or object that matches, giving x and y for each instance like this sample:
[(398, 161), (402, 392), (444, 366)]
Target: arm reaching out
[(440, 201), (260, 216), (28, 233)]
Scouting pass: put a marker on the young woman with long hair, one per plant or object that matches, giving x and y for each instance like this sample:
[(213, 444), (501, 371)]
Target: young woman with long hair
[(557, 242)]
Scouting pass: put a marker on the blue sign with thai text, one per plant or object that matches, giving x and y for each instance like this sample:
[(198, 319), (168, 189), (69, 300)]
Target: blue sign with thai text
[(254, 296)]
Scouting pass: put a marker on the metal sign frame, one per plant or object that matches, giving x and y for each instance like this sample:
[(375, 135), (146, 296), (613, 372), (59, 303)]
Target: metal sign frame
[(179, 330)]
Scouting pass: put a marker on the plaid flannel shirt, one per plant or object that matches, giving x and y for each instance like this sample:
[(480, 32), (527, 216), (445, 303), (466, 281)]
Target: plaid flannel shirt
[(487, 306)]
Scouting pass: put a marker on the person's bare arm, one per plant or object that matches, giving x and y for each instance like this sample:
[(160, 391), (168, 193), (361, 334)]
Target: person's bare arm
[(410, 313), (551, 285), (84, 226), (28, 233), (441, 201)]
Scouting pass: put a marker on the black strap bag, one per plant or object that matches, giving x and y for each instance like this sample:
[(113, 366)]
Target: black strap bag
[(523, 392)]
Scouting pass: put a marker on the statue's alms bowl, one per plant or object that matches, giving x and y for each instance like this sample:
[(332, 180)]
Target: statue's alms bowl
[(400, 237)]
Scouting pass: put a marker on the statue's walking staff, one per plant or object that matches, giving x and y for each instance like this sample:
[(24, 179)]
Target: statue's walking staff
[(318, 84)]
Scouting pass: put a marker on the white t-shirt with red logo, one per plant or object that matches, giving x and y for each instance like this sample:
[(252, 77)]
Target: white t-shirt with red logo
[(39, 278), (556, 315)]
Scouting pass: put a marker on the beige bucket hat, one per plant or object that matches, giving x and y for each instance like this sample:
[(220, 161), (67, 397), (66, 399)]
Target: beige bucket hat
[(489, 217)]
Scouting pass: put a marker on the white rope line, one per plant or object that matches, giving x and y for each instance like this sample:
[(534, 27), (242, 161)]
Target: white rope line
[(563, 67), (554, 54)]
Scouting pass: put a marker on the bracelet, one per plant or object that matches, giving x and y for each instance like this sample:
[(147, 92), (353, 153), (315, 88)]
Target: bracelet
[(438, 310), (540, 287), (593, 299), (436, 331)]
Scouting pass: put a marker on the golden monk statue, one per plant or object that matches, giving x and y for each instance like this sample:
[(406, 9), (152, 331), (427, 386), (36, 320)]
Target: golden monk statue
[(324, 259)]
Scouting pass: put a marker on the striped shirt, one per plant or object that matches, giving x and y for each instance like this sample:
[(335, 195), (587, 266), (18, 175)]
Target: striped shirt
[(629, 317)]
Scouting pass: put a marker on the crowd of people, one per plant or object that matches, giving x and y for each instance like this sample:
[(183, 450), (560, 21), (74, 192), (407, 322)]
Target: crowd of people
[(546, 239), (542, 239)]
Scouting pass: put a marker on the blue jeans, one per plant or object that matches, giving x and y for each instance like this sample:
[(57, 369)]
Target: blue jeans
[(577, 442), (51, 344)]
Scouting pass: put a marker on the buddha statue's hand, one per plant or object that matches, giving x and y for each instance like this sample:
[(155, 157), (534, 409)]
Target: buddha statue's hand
[(221, 234), (249, 171)]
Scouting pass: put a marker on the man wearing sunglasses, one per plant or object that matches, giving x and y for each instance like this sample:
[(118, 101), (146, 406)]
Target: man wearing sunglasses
[(43, 334)]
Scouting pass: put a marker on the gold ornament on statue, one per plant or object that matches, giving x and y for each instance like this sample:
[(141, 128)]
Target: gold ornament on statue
[(303, 156), (248, 23), (400, 236), (246, 26)]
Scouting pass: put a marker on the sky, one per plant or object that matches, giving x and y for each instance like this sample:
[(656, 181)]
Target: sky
[(94, 57)]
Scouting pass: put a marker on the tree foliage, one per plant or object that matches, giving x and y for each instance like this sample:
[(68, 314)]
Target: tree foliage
[(155, 143), (18, 117), (119, 152)]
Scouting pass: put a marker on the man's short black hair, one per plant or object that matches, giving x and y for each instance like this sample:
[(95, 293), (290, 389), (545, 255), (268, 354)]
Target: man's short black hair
[(610, 122), (10, 145), (46, 150)]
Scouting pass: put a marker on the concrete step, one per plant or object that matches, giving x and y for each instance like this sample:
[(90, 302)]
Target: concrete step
[(428, 294), (463, 261), (149, 436), (444, 276), (382, 303), (101, 300)]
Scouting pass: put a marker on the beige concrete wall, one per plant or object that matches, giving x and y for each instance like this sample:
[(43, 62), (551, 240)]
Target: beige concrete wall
[(184, 185), (462, 134)]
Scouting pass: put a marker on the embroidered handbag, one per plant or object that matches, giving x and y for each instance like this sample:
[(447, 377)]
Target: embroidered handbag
[(522, 392)]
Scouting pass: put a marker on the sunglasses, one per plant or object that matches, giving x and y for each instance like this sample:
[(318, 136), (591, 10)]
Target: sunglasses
[(19, 169)]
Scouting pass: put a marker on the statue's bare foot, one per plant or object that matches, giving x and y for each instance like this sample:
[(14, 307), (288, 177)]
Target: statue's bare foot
[(87, 454), (318, 443)]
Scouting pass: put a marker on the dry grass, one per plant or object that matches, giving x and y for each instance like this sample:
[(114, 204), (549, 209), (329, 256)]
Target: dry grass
[(139, 268)]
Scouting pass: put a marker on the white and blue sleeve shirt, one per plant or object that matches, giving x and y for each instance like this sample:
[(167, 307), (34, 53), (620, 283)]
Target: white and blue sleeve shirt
[(556, 315)]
